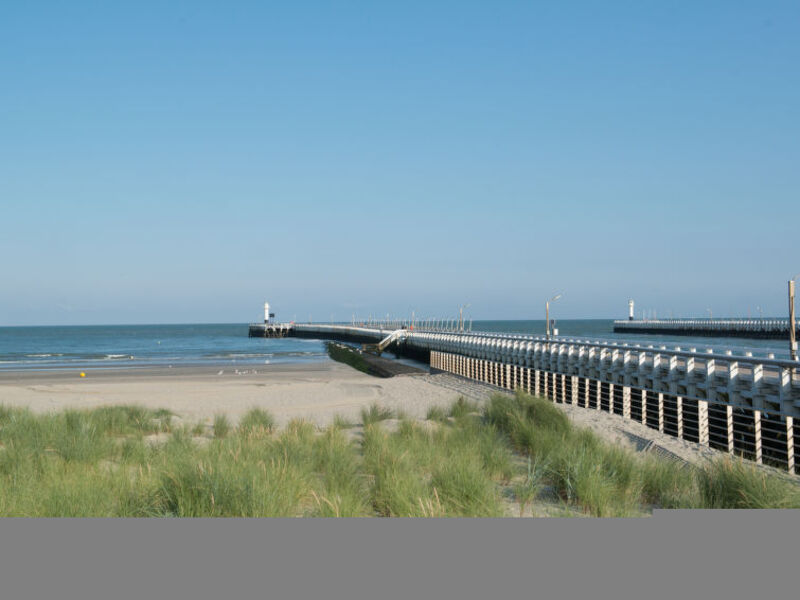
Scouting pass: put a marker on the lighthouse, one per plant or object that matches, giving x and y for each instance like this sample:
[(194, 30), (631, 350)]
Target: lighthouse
[(630, 310), (266, 313)]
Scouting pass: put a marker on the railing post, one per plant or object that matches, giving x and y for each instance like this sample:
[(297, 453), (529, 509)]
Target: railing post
[(537, 388), (661, 412), (757, 434), (679, 410), (790, 444), (729, 427), (574, 390)]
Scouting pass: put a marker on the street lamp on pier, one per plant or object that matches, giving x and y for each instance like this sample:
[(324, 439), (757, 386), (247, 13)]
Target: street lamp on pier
[(461, 316), (792, 326), (547, 312)]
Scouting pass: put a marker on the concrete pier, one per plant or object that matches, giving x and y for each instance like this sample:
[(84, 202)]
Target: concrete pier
[(775, 329), (739, 404), (269, 330)]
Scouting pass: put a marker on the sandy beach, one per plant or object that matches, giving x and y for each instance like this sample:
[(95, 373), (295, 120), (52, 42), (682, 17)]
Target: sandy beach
[(312, 391)]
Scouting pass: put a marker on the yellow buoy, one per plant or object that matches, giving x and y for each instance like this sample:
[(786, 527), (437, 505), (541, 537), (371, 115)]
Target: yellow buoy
[(83, 374)]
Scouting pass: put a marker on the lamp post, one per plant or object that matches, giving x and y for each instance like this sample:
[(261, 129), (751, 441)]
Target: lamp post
[(792, 326), (461, 316), (547, 312)]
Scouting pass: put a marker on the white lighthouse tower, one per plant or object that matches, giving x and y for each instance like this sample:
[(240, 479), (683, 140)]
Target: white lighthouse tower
[(266, 313), (630, 310)]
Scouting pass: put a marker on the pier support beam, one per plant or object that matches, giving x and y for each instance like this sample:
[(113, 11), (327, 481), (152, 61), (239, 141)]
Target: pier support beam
[(661, 412), (790, 444), (729, 428), (644, 407), (702, 422), (679, 411), (626, 402)]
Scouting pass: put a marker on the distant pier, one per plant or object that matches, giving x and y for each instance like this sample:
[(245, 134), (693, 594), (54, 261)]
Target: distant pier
[(771, 329), (270, 330)]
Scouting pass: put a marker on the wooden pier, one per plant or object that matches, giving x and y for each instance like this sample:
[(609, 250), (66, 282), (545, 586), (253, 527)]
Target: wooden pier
[(772, 329)]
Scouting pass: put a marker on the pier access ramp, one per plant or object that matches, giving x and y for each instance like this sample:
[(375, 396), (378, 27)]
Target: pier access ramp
[(396, 335)]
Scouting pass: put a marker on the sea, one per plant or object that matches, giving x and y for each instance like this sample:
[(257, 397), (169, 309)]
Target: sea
[(137, 346)]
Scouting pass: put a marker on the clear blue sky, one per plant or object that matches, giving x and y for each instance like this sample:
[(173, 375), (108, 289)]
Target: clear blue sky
[(186, 161)]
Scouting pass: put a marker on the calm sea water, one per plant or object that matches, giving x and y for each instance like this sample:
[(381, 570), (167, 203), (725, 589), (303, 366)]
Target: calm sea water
[(131, 346)]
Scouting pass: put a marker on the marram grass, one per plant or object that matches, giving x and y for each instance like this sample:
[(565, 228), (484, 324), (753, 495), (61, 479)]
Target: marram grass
[(513, 455)]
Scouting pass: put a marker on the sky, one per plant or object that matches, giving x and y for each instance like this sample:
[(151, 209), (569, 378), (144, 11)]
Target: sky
[(187, 161)]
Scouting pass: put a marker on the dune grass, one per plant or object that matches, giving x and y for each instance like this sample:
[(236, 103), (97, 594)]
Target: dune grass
[(505, 457), (257, 421), (607, 480), (375, 413)]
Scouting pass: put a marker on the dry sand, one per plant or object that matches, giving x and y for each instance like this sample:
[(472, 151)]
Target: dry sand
[(312, 391)]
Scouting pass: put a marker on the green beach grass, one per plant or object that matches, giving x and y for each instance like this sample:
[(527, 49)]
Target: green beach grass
[(513, 455)]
